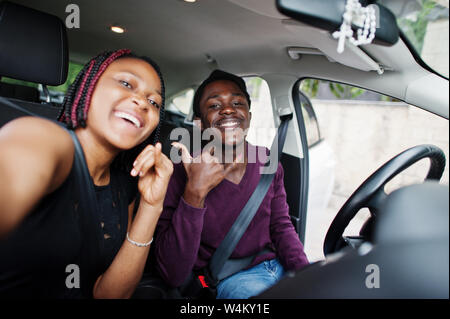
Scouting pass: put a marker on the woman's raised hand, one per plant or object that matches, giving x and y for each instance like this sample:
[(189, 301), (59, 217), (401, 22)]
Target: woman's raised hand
[(154, 170)]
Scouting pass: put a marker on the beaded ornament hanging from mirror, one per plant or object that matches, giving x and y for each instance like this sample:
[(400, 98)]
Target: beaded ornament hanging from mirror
[(357, 14)]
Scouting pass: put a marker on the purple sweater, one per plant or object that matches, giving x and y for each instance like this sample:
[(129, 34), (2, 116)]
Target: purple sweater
[(188, 236)]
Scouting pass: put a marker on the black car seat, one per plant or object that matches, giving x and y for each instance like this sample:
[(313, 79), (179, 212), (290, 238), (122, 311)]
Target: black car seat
[(33, 48), (21, 92)]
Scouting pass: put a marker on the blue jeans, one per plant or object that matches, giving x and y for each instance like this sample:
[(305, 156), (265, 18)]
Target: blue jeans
[(250, 282)]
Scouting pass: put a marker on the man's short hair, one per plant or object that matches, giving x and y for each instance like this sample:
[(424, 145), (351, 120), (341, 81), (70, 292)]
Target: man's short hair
[(218, 75)]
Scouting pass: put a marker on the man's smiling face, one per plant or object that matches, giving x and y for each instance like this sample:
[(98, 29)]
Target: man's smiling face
[(223, 106)]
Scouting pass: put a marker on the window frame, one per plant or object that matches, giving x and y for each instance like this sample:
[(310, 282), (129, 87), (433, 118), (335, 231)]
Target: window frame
[(306, 104)]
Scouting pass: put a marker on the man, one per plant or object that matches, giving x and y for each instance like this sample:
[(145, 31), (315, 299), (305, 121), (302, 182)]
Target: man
[(207, 193)]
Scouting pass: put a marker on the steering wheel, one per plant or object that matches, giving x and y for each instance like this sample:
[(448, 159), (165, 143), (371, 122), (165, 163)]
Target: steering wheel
[(371, 193)]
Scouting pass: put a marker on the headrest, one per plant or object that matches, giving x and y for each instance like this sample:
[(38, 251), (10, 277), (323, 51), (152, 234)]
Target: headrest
[(33, 45)]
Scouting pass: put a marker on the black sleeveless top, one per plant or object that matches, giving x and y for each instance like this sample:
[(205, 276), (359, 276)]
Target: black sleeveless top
[(39, 259)]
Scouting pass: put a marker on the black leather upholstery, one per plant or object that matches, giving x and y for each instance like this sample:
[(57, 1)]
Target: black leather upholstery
[(33, 48), (33, 45), (17, 91), (12, 108)]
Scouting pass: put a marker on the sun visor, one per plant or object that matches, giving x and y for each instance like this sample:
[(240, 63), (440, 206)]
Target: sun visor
[(322, 40)]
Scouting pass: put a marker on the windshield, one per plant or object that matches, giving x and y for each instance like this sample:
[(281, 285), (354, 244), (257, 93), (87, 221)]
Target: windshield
[(425, 24)]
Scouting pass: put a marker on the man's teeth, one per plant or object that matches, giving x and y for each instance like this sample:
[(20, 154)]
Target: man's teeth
[(229, 124), (129, 117)]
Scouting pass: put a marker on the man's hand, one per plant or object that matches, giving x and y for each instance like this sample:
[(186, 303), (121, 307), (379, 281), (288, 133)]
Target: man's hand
[(204, 172)]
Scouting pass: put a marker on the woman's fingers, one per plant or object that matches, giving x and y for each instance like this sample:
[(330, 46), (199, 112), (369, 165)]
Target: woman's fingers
[(160, 158), (157, 153), (164, 166), (144, 161), (150, 157)]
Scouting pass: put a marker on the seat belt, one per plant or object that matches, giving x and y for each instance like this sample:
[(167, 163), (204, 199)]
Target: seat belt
[(217, 271), (12, 105)]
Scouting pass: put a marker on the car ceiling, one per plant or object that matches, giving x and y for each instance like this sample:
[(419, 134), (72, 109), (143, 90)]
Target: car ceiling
[(244, 37), (176, 34)]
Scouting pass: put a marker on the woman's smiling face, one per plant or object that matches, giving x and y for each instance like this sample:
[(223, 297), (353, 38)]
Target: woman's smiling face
[(223, 106), (126, 103)]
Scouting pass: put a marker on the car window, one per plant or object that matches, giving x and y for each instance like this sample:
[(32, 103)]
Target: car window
[(56, 92), (5, 79), (181, 102), (262, 129), (365, 130), (425, 24)]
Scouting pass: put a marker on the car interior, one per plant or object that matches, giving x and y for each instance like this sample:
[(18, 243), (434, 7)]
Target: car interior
[(282, 41)]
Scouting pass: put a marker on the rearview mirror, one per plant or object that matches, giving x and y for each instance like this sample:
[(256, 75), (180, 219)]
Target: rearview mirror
[(328, 15)]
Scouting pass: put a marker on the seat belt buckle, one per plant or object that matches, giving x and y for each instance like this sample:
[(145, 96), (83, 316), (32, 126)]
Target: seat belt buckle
[(202, 280)]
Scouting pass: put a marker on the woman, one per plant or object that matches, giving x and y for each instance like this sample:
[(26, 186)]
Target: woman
[(113, 106), (207, 193)]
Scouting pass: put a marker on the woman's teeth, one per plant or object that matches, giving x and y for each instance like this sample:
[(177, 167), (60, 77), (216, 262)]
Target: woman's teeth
[(128, 117)]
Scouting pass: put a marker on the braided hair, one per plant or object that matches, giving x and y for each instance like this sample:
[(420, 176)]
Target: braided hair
[(78, 99)]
